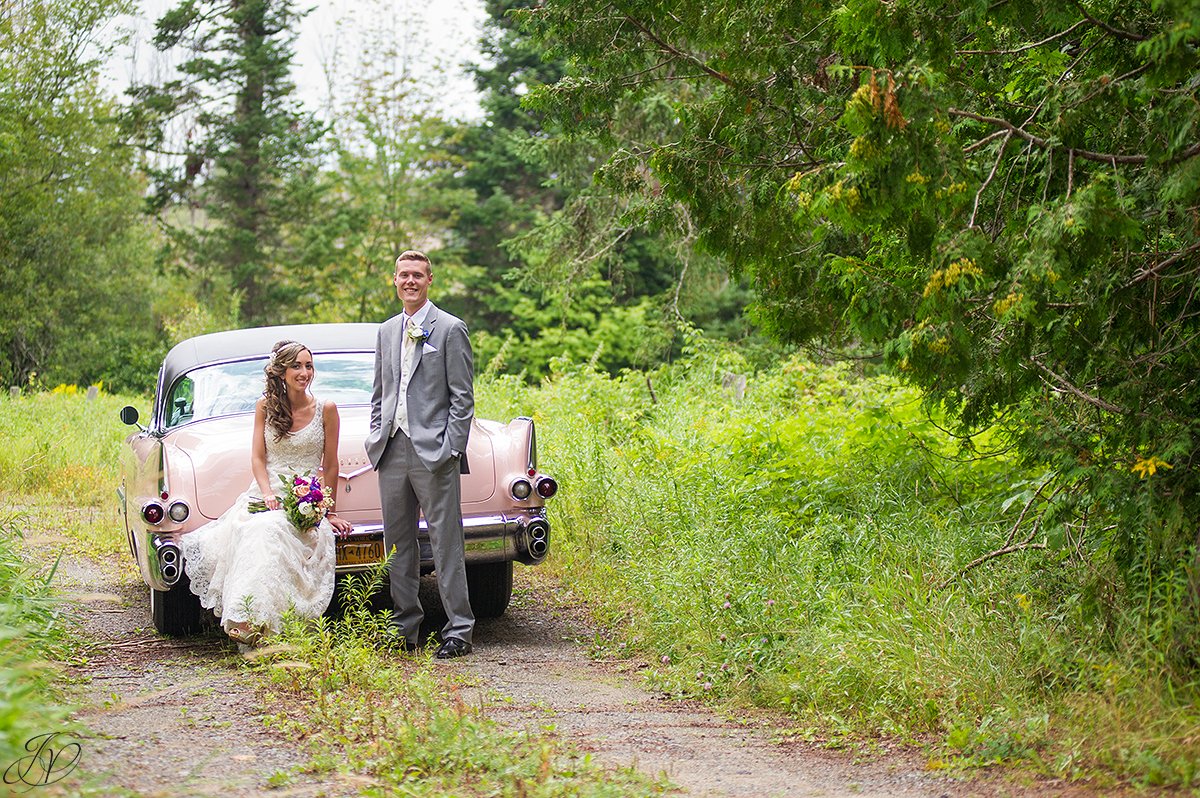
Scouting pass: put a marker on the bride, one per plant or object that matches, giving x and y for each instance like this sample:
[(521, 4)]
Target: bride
[(249, 568)]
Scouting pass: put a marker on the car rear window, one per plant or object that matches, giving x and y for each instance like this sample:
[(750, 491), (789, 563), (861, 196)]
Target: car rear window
[(225, 389)]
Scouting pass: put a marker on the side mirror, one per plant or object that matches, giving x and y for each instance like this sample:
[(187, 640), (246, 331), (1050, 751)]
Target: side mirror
[(129, 414)]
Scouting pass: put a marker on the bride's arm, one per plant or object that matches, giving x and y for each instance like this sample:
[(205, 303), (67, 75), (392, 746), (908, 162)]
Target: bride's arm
[(329, 463), (258, 457)]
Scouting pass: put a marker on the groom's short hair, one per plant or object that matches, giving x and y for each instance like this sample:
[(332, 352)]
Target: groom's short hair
[(412, 254)]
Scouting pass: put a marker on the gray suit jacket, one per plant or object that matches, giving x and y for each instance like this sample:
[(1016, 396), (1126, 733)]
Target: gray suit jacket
[(441, 393)]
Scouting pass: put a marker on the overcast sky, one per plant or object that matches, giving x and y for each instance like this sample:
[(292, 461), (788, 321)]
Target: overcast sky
[(445, 31)]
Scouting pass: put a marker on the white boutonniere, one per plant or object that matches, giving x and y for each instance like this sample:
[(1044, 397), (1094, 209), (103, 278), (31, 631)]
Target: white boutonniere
[(416, 332)]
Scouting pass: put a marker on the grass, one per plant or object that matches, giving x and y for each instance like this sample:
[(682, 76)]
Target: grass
[(360, 709), (32, 637), (408, 727), (783, 549), (786, 550)]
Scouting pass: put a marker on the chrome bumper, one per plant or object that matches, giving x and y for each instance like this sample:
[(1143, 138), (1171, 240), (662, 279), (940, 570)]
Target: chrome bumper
[(523, 536)]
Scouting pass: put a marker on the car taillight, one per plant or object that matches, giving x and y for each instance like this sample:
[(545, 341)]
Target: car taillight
[(521, 489), (547, 487), (179, 511), (153, 512)]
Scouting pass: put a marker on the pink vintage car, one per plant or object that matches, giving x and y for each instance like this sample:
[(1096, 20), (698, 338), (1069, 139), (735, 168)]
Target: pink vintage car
[(192, 459)]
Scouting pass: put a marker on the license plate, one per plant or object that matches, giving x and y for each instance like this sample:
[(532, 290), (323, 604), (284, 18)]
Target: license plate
[(360, 553)]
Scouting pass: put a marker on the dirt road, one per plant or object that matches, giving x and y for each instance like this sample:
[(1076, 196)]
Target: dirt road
[(177, 718)]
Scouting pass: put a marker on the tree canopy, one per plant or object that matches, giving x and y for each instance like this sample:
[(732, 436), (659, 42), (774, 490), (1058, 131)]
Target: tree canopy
[(75, 282), (230, 150), (1000, 199)]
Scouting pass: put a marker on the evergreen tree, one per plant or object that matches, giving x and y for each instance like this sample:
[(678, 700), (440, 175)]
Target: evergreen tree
[(232, 153), (999, 199), (565, 264)]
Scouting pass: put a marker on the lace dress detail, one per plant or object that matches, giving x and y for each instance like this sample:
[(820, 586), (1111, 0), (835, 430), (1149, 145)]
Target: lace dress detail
[(255, 566)]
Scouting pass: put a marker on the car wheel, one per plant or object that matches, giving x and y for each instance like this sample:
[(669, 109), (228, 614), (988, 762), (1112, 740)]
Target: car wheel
[(175, 612), (490, 587)]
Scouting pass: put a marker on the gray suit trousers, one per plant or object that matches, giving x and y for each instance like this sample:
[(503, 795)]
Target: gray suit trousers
[(407, 487)]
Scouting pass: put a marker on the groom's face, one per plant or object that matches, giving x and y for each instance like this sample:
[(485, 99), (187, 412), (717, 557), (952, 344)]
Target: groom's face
[(412, 282)]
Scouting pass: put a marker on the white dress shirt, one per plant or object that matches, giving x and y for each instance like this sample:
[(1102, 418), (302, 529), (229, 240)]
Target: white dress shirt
[(407, 355)]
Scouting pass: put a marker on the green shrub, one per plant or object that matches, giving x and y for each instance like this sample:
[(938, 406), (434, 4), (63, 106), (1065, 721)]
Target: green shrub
[(32, 635), (805, 547)]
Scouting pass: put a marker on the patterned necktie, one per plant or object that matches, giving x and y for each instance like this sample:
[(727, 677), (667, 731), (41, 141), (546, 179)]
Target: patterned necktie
[(407, 349)]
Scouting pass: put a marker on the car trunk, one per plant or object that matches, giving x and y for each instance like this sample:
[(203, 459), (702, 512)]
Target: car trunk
[(219, 450)]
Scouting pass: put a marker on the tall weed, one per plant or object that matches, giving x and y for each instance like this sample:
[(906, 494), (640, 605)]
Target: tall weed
[(398, 720), (787, 547), (32, 635), (62, 445)]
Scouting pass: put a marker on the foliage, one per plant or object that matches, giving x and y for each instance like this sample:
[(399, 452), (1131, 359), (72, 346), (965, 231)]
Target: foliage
[(60, 445), (232, 155), (33, 633), (76, 283), (829, 509), (999, 199), (394, 718), (787, 546), (382, 191), (559, 265)]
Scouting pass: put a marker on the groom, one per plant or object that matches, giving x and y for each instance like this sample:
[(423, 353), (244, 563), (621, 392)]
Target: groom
[(421, 410)]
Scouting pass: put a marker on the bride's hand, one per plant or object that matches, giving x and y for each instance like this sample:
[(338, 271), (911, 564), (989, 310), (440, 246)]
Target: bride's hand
[(272, 502), (340, 525)]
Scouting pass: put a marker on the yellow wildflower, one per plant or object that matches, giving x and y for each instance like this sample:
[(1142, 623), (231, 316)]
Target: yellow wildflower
[(1147, 467), (1003, 306), (862, 147), (944, 278)]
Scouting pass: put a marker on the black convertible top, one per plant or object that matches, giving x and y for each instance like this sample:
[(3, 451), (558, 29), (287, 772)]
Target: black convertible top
[(256, 342)]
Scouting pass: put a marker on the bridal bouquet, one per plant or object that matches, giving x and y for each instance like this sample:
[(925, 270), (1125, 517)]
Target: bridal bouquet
[(303, 500)]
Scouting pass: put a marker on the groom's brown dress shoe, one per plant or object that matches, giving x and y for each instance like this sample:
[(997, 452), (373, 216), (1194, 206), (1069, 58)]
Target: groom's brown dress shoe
[(452, 647)]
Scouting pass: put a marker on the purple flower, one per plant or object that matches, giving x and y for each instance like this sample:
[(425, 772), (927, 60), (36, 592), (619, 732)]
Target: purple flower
[(315, 495)]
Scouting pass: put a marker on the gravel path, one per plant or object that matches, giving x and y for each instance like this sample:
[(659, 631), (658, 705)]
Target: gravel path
[(178, 718)]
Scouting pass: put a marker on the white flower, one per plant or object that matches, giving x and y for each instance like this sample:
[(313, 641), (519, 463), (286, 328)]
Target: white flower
[(305, 509), (415, 332)]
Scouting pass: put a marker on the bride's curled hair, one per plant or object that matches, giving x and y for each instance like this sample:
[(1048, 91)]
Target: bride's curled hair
[(277, 406)]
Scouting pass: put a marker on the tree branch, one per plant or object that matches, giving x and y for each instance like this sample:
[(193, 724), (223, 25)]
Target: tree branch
[(991, 555), (1069, 387), (1101, 157), (1153, 271), (1123, 34), (649, 34), (1024, 47), (991, 175)]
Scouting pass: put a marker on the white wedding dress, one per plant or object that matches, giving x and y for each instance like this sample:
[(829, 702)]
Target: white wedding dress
[(255, 566)]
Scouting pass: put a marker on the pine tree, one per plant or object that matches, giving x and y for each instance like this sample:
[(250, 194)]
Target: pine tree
[(230, 147)]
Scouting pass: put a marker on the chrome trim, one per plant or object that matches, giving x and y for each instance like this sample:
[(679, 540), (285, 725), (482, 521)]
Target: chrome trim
[(165, 561), (532, 459), (187, 510), (157, 503), (357, 473), (487, 539)]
